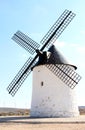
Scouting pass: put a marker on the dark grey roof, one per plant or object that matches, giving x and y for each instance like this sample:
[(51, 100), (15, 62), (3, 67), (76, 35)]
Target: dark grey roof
[(52, 56), (58, 57)]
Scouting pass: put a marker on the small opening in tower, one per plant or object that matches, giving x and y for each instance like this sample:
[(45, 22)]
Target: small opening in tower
[(42, 83)]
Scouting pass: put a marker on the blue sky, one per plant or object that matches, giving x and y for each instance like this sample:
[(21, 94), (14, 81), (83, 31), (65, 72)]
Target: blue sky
[(35, 18)]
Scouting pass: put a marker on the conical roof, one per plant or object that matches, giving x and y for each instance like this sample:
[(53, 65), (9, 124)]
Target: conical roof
[(52, 56), (57, 56)]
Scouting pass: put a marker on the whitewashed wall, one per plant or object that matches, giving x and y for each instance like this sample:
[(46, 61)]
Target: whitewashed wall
[(50, 96)]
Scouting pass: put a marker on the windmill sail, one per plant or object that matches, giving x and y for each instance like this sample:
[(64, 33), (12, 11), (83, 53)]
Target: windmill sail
[(65, 73), (26, 42), (58, 27), (20, 77)]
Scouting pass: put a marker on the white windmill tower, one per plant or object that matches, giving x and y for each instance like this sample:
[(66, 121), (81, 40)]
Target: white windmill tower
[(51, 96), (53, 78)]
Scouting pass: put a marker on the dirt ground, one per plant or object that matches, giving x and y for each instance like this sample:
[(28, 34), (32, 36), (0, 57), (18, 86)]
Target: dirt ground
[(27, 123)]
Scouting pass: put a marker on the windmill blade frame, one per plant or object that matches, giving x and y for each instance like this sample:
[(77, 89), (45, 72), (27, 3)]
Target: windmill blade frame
[(65, 73), (20, 77), (26, 42), (59, 26)]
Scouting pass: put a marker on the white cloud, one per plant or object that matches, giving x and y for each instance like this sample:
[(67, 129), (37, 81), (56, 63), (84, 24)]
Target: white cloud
[(60, 44), (80, 48), (63, 44)]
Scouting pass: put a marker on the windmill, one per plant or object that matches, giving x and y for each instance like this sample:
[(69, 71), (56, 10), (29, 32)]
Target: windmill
[(53, 76)]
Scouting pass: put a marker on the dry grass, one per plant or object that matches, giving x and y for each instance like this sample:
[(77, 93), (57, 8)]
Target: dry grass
[(9, 121), (14, 112), (23, 112), (82, 111)]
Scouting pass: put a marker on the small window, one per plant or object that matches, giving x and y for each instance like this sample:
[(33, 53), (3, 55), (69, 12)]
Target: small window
[(42, 83)]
